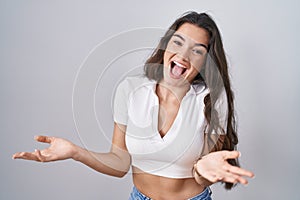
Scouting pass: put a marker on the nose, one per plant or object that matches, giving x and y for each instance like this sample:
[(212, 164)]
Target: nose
[(184, 54)]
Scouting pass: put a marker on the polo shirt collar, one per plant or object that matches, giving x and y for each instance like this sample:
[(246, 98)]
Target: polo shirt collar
[(194, 89)]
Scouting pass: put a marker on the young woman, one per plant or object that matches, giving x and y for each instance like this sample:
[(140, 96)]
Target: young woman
[(174, 125)]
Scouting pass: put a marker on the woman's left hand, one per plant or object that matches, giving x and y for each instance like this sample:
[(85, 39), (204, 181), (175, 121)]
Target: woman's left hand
[(214, 167)]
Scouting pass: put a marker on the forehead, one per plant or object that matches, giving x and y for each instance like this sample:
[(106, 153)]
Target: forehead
[(193, 32)]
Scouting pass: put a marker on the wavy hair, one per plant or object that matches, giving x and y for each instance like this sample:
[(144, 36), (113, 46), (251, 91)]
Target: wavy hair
[(214, 75)]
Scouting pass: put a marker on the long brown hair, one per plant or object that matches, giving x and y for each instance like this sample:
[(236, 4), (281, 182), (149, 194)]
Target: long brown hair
[(214, 75)]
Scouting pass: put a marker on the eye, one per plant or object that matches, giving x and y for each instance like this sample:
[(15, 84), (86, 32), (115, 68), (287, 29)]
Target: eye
[(198, 51), (178, 43)]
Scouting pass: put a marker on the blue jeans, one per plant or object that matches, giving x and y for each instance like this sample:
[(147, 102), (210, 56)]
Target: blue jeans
[(137, 195)]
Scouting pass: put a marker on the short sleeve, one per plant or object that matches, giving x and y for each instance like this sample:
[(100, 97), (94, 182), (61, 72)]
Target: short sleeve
[(120, 108)]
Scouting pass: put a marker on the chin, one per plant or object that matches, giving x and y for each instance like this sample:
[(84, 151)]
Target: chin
[(174, 81)]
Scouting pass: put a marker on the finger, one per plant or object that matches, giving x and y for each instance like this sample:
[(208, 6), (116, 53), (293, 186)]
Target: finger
[(39, 155), (230, 177), (16, 155), (239, 171), (212, 177), (221, 175), (242, 180), (44, 139), (235, 179), (231, 154), (25, 156)]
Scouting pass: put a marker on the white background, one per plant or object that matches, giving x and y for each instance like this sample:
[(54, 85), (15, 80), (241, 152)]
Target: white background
[(43, 44)]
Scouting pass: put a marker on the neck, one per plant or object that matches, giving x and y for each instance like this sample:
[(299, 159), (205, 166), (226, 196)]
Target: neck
[(168, 92)]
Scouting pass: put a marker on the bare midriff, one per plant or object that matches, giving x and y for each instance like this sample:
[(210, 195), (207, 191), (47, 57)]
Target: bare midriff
[(163, 188)]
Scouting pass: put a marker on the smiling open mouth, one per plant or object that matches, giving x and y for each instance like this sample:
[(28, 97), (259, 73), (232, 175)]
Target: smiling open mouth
[(177, 69)]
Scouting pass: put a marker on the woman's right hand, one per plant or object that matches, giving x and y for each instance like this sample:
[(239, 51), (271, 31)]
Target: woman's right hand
[(59, 149)]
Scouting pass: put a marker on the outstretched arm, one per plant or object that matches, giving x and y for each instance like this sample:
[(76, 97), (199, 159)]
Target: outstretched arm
[(115, 163)]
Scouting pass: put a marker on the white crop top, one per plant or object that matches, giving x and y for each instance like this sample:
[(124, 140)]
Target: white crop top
[(136, 106)]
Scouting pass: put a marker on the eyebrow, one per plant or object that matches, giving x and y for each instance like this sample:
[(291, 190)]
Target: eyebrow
[(197, 44)]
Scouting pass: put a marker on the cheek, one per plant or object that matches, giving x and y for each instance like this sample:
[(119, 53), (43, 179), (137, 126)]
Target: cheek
[(167, 57), (192, 74), (196, 68), (198, 65)]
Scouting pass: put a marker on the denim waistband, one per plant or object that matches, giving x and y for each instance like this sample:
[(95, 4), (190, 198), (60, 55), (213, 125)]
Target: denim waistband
[(137, 195), (204, 195)]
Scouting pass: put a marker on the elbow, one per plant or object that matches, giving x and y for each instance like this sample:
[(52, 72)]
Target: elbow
[(114, 173), (120, 174)]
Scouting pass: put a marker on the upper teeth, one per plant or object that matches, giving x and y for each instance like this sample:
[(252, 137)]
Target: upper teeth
[(180, 65)]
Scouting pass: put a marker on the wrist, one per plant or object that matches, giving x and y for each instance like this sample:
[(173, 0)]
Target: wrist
[(77, 153)]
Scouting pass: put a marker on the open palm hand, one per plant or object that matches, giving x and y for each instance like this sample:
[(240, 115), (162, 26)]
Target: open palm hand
[(59, 149), (214, 167)]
